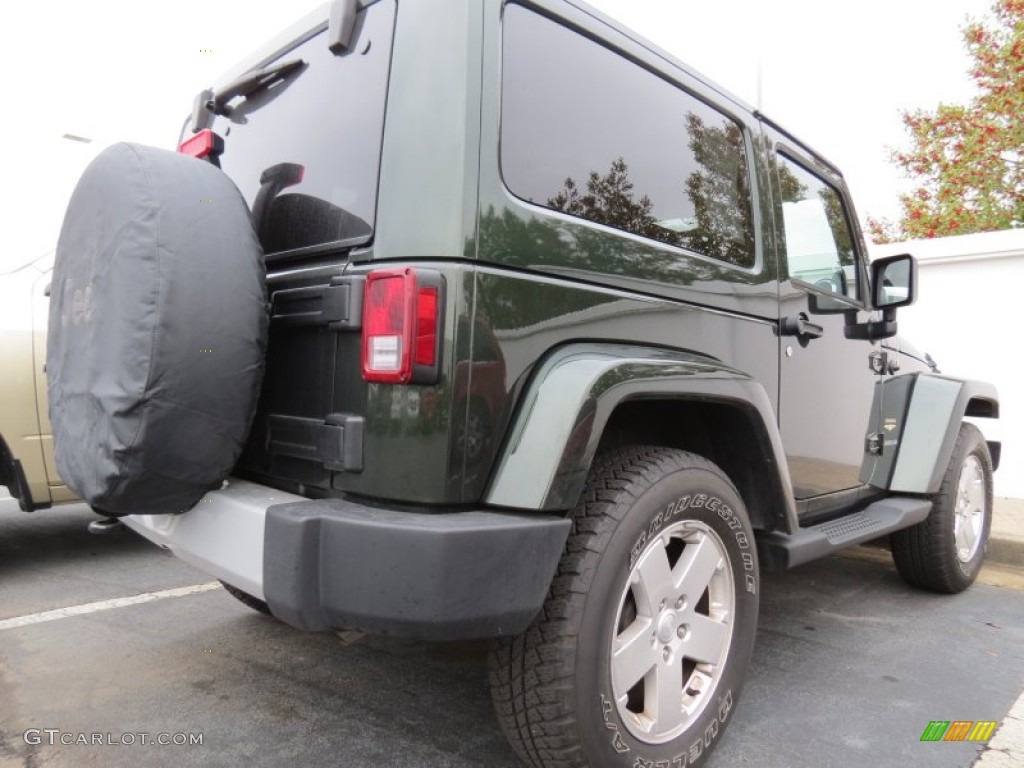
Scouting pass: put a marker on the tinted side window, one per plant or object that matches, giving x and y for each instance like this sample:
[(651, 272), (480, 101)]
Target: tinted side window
[(305, 152), (818, 241), (588, 132)]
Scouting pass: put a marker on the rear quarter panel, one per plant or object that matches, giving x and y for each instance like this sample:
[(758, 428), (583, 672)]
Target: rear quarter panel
[(546, 279)]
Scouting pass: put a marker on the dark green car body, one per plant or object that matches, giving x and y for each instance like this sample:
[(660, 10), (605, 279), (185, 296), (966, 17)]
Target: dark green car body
[(557, 325), (622, 254), (537, 279)]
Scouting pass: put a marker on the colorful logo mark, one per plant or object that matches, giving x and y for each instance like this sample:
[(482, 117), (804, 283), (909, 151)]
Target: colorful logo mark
[(959, 730)]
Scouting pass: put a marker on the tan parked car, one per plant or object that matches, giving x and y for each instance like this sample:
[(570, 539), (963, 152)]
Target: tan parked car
[(27, 465)]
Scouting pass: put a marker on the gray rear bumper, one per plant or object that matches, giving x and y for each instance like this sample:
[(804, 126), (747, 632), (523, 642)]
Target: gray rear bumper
[(334, 563)]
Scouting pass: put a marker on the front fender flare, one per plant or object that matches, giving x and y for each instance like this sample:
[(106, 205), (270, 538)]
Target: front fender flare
[(569, 400), (925, 411)]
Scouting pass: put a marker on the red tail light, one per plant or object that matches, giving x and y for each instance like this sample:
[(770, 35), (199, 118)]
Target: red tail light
[(426, 327), (401, 326), (203, 144)]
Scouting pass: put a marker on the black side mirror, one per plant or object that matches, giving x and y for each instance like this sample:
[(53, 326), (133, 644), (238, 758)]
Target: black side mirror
[(893, 285), (894, 282)]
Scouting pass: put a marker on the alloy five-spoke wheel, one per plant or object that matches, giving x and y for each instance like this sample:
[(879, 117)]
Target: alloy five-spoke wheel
[(969, 517), (673, 630)]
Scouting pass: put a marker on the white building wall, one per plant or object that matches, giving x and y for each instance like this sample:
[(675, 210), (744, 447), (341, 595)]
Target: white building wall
[(969, 316)]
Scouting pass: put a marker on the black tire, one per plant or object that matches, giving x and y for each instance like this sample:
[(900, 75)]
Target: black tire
[(157, 331), (927, 555), (246, 599), (552, 686)]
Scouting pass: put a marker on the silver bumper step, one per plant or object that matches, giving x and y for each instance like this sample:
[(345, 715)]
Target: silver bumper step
[(222, 534)]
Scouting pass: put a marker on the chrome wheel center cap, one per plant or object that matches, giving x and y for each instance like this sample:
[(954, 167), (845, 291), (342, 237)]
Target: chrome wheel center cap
[(666, 627)]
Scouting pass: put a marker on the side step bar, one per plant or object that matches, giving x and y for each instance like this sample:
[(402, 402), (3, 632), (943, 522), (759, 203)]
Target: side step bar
[(778, 550)]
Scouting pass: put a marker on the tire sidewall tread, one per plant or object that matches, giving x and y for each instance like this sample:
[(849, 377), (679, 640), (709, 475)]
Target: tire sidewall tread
[(925, 554), (551, 686)]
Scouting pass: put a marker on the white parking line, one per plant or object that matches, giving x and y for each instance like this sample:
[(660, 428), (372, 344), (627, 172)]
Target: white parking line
[(104, 605)]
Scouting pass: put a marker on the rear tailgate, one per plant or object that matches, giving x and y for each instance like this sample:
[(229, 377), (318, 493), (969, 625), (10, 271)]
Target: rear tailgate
[(303, 145)]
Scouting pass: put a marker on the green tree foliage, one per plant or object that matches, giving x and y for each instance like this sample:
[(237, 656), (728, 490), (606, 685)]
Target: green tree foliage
[(610, 200), (836, 216), (789, 185), (719, 190), (968, 161)]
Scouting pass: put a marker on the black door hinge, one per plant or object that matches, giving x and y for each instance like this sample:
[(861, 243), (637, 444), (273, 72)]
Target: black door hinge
[(873, 444)]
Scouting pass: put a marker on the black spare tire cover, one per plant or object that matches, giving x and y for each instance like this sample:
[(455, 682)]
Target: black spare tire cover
[(157, 331)]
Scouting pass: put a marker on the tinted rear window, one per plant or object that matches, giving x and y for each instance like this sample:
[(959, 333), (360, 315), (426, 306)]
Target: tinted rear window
[(305, 152), (590, 133)]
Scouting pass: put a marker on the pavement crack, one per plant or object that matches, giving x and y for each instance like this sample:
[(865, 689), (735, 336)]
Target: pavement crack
[(879, 620)]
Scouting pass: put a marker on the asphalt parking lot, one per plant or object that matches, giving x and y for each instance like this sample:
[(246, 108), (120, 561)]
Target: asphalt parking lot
[(849, 669)]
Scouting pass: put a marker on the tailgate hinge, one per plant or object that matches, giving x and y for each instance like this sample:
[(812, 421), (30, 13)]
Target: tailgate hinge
[(338, 305), (335, 442)]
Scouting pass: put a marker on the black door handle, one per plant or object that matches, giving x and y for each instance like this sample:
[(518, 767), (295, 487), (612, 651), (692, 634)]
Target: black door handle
[(800, 326)]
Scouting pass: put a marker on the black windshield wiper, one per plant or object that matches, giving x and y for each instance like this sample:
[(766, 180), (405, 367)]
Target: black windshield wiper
[(216, 102), (250, 83)]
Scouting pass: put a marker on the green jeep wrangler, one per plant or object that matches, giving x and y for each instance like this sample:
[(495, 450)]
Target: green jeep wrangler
[(463, 319)]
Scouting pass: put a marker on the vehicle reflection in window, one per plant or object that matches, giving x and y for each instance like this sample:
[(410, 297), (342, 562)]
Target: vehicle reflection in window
[(289, 221)]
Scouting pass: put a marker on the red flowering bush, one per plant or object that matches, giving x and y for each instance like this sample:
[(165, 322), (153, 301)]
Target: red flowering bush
[(968, 160)]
